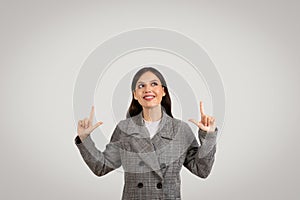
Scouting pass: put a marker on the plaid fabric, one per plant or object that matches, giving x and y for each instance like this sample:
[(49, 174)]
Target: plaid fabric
[(152, 166)]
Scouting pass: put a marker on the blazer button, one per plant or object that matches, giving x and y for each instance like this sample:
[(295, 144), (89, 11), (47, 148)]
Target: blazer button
[(159, 185), (141, 163), (140, 185), (163, 165)]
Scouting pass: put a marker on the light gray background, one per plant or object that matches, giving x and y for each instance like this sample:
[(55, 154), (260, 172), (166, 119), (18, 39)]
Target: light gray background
[(254, 45)]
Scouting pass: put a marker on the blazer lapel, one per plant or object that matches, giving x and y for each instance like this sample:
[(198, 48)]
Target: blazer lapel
[(165, 133), (146, 147)]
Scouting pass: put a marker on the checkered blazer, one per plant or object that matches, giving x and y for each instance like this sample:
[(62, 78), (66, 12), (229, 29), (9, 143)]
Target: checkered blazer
[(152, 166)]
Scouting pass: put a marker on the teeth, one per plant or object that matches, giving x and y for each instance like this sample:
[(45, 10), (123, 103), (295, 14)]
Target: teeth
[(149, 97)]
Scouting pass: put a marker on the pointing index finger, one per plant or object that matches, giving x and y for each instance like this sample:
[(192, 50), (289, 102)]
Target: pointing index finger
[(201, 108)]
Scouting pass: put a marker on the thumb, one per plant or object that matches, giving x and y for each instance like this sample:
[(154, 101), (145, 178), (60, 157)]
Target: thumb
[(96, 125), (194, 121), (198, 124), (201, 126)]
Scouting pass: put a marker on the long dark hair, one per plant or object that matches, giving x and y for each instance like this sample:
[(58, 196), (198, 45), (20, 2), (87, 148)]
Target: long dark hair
[(135, 108)]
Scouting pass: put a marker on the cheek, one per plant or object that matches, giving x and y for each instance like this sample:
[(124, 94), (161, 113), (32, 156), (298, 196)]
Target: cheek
[(160, 94), (137, 95)]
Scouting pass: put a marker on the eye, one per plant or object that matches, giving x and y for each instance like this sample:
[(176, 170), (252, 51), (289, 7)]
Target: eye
[(154, 84), (140, 86)]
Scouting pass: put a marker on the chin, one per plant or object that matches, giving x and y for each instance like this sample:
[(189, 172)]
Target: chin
[(150, 106)]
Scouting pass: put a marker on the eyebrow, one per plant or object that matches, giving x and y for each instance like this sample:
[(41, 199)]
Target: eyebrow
[(149, 81)]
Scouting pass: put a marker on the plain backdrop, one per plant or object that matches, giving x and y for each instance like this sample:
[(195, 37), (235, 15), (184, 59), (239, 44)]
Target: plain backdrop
[(253, 44)]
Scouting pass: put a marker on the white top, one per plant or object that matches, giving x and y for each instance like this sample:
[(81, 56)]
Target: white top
[(152, 126)]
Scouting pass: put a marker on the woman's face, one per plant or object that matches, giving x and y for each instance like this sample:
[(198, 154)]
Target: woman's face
[(148, 90)]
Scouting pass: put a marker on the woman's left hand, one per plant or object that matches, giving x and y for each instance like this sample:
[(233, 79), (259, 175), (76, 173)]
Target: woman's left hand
[(207, 122)]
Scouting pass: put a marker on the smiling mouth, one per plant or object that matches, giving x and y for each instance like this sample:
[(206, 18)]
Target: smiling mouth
[(149, 97)]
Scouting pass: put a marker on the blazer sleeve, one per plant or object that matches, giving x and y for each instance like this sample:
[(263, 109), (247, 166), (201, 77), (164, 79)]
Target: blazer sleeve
[(101, 163), (200, 159)]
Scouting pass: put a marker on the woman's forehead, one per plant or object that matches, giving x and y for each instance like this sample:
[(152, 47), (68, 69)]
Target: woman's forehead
[(147, 77)]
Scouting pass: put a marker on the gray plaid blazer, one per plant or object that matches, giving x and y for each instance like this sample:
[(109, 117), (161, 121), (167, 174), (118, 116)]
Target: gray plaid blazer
[(152, 166)]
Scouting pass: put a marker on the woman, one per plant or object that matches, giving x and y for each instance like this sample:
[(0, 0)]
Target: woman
[(150, 144)]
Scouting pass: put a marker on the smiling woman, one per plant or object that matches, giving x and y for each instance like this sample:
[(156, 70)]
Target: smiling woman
[(150, 144), (149, 91)]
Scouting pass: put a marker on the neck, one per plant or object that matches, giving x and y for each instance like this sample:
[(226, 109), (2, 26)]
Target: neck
[(152, 114)]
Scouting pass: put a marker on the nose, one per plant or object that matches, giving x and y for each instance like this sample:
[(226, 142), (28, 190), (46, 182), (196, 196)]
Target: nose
[(147, 88)]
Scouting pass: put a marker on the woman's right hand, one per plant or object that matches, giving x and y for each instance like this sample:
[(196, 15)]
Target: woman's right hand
[(85, 127)]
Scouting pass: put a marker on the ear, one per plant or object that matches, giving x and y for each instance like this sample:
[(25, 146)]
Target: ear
[(134, 95), (164, 94)]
